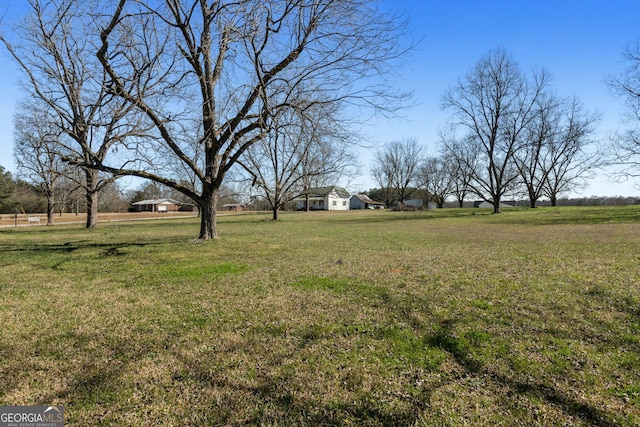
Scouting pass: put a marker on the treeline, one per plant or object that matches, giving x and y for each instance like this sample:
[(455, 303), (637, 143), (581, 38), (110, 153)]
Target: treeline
[(509, 134), (420, 198), (20, 196)]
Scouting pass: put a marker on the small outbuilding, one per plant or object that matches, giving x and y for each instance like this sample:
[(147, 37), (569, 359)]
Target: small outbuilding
[(484, 204), (236, 207), (413, 204), (362, 201)]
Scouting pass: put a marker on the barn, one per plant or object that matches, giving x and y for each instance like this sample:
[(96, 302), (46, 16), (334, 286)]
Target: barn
[(362, 201)]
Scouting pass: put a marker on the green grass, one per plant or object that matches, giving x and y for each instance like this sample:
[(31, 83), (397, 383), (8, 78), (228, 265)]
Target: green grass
[(453, 317)]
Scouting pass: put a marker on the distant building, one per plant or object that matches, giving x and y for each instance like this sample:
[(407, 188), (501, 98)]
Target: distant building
[(236, 207), (362, 201), (156, 205), (413, 203), (485, 204), (323, 199)]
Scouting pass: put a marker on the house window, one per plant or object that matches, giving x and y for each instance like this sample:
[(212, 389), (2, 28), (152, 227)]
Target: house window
[(335, 203), (344, 203)]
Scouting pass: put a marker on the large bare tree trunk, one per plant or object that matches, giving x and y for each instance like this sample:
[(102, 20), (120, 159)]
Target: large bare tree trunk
[(496, 207), (208, 220), (92, 209), (92, 199), (51, 210)]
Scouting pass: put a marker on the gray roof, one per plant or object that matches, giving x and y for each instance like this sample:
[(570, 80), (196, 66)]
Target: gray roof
[(162, 201), (365, 199), (323, 192)]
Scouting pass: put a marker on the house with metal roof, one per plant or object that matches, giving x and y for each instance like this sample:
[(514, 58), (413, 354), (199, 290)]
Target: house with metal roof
[(323, 199), (485, 204), (156, 205), (362, 201)]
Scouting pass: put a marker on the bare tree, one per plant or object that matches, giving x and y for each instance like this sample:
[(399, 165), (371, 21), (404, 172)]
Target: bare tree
[(112, 199), (626, 145), (302, 148), (436, 177), (534, 159), (494, 104), (329, 157), (396, 167), (274, 166), (557, 155), (70, 191), (571, 156), (148, 190), (227, 67), (464, 159), (55, 48), (36, 149)]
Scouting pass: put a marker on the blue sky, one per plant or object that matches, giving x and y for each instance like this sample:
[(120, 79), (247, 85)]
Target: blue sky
[(579, 42)]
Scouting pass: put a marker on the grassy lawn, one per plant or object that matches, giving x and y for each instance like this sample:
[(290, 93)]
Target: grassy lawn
[(447, 318)]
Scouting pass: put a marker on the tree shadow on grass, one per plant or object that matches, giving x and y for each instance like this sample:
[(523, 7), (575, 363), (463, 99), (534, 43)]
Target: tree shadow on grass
[(90, 367), (446, 339), (103, 248), (288, 404), (364, 412), (98, 384), (275, 401)]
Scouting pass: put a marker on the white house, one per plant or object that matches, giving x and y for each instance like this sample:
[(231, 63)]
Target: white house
[(324, 199)]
